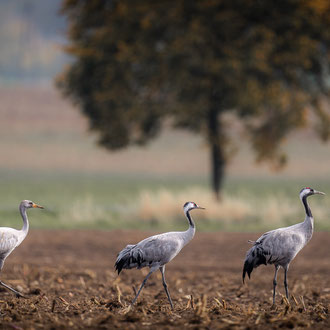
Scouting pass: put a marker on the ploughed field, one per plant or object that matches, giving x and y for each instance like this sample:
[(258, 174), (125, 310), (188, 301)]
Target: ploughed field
[(69, 281)]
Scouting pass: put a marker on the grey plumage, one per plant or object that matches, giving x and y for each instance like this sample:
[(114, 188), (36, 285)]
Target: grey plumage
[(10, 238), (156, 251), (280, 246)]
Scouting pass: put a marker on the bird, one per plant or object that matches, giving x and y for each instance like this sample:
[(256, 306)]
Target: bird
[(10, 238), (280, 246), (156, 251)]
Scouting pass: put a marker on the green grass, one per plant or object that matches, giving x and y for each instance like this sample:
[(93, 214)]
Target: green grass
[(48, 156), (99, 201), (74, 200)]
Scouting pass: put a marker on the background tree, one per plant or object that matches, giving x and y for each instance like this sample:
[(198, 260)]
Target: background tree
[(139, 62)]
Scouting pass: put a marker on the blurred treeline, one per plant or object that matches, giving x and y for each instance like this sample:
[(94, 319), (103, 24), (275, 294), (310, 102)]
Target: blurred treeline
[(31, 39)]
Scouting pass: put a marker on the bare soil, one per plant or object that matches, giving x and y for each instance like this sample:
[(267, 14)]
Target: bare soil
[(68, 281)]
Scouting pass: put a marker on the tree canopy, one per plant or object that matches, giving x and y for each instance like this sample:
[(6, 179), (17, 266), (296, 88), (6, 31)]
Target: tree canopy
[(138, 62)]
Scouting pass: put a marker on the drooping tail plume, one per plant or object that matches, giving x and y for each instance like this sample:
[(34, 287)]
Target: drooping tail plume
[(129, 257), (255, 257)]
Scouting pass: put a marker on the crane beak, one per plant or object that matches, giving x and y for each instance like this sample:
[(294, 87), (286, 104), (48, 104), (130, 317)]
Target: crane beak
[(319, 192), (37, 206), (201, 208)]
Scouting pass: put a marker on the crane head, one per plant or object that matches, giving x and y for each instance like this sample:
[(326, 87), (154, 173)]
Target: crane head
[(29, 204), (190, 206), (305, 192)]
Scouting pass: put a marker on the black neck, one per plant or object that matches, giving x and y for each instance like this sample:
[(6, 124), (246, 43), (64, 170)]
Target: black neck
[(307, 209), (191, 222)]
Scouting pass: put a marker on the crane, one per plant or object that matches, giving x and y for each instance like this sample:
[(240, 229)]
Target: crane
[(280, 246), (10, 238), (156, 251)]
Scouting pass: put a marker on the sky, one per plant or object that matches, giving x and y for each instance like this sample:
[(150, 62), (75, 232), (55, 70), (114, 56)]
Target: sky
[(32, 35)]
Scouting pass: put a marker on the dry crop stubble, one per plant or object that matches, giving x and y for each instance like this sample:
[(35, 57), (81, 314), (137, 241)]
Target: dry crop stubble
[(69, 281)]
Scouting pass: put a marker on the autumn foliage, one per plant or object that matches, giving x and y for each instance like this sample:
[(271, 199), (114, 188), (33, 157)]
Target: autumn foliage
[(137, 63)]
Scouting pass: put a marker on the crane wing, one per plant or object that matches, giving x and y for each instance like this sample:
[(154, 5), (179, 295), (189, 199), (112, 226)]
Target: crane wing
[(8, 242), (281, 245), (151, 252), (278, 246), (160, 249)]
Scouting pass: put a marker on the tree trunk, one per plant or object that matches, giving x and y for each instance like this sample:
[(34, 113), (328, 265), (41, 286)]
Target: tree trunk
[(217, 153)]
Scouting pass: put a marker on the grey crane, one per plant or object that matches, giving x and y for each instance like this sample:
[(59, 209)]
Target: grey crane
[(280, 246), (10, 238), (156, 251)]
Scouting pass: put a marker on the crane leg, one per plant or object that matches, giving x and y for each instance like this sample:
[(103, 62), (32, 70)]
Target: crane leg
[(275, 283), (286, 282), (142, 285), (162, 270), (18, 294)]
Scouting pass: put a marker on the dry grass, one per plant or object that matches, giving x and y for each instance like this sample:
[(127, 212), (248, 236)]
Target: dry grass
[(236, 210), (240, 210), (163, 205), (83, 211)]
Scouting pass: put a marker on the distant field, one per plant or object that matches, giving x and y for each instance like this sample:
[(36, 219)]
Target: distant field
[(39, 130), (48, 155), (108, 202)]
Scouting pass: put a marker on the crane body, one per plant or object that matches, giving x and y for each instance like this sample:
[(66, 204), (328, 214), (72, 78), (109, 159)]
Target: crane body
[(156, 251), (10, 238), (280, 246)]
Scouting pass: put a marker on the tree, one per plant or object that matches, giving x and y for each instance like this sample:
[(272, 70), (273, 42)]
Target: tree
[(137, 62)]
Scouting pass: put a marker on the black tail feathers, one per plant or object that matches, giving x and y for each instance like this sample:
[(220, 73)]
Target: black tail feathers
[(130, 257), (254, 258), (248, 268), (119, 265), (123, 258)]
